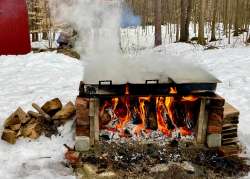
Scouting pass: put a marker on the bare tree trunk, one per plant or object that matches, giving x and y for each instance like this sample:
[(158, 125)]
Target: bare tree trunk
[(34, 37), (158, 38), (236, 21), (201, 39), (186, 7), (213, 37)]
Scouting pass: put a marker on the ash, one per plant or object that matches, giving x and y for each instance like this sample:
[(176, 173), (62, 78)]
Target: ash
[(112, 135), (159, 160)]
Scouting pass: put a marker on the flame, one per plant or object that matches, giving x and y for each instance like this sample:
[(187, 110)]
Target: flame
[(168, 103), (165, 112), (162, 126), (184, 131), (190, 98), (115, 102), (173, 90), (142, 112), (123, 119)]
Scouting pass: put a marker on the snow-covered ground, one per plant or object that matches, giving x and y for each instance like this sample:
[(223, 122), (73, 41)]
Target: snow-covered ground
[(36, 78), (40, 77), (231, 66)]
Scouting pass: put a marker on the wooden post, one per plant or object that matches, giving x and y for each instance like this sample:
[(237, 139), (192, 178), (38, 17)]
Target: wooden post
[(94, 121), (202, 123)]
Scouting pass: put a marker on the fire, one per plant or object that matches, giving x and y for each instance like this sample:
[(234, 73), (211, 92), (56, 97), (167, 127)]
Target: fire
[(123, 112), (162, 126), (190, 98), (173, 90), (142, 112), (170, 113)]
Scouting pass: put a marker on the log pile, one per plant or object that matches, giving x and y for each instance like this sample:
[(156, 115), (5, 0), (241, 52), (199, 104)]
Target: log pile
[(230, 142), (45, 120)]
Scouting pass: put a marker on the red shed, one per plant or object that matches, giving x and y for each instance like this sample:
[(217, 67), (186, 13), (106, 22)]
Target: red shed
[(14, 28)]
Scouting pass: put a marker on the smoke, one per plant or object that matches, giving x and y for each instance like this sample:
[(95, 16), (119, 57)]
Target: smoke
[(96, 21), (98, 25)]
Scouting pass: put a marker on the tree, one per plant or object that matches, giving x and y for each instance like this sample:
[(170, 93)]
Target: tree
[(236, 21), (186, 7), (158, 20), (213, 37), (201, 39)]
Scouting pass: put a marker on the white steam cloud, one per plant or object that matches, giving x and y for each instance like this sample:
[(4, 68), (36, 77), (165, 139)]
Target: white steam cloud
[(98, 25)]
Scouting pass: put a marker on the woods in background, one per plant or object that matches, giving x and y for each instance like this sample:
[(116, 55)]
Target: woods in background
[(220, 17), (209, 20)]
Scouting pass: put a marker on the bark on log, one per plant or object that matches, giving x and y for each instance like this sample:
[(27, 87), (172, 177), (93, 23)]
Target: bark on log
[(39, 109), (18, 117), (32, 131), (52, 107), (66, 113), (9, 136), (34, 114)]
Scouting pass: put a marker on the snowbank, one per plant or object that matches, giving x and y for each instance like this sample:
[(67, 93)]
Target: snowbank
[(36, 78)]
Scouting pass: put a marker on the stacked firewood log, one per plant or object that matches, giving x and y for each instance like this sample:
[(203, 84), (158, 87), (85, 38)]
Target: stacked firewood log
[(230, 142), (45, 120)]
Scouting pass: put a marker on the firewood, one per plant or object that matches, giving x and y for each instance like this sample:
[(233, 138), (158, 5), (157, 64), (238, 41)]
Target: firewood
[(32, 131), (66, 113), (229, 129), (217, 101), (231, 120), (15, 127), (36, 107), (9, 136), (34, 114), (228, 126), (52, 107), (230, 111), (18, 117)]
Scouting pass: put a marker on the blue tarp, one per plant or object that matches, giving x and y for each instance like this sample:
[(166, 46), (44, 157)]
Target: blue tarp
[(129, 19)]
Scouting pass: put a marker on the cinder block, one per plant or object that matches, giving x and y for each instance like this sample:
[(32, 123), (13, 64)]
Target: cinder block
[(82, 143), (214, 140)]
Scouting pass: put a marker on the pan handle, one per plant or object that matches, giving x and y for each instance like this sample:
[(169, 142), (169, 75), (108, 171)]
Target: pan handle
[(152, 82), (105, 82)]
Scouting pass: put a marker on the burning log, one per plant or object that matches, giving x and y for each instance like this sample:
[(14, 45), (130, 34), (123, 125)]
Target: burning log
[(150, 115)]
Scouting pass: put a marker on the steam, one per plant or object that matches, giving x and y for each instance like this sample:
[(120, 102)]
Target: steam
[(98, 25), (96, 21)]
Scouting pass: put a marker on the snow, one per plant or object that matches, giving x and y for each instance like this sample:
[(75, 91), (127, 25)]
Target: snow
[(231, 66), (36, 78)]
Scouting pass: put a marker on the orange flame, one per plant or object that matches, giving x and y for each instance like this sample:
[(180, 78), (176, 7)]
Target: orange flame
[(184, 131), (142, 112), (173, 90), (190, 98), (162, 126)]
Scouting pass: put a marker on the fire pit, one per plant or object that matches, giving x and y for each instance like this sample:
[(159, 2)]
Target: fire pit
[(162, 107)]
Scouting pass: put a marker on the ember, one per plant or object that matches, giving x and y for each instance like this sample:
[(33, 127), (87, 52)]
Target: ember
[(175, 116)]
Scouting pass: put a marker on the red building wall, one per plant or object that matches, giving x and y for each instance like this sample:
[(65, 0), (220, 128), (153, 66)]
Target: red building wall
[(14, 28)]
